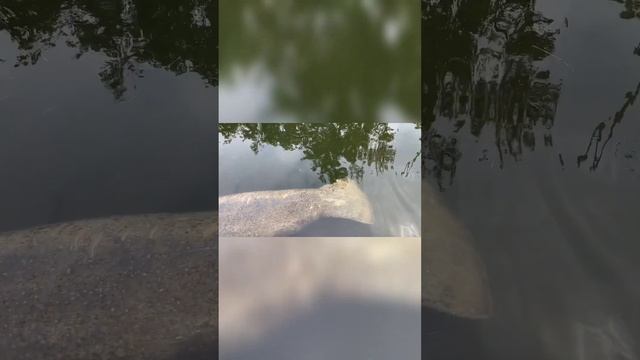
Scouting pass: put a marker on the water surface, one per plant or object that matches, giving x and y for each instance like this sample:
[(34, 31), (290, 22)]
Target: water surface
[(106, 109), (319, 298), (382, 158), (531, 132)]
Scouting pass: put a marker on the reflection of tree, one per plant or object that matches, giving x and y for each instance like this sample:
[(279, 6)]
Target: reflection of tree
[(331, 59), (174, 35), (336, 150), (597, 142), (631, 8), (441, 157), (480, 67)]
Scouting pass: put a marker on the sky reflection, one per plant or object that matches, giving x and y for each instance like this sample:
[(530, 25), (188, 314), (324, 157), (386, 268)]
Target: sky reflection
[(268, 284)]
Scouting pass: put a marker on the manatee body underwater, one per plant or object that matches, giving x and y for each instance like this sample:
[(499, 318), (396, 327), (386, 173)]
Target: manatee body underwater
[(454, 275), (284, 212), (145, 286), (130, 287)]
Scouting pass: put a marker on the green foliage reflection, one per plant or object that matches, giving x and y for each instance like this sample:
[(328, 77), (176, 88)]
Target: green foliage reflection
[(331, 61), (335, 150), (177, 36)]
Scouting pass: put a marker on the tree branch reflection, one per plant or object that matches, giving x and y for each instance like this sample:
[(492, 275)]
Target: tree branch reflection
[(176, 36), (597, 142), (336, 150)]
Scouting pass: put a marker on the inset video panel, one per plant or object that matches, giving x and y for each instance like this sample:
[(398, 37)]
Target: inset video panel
[(319, 298), (336, 179)]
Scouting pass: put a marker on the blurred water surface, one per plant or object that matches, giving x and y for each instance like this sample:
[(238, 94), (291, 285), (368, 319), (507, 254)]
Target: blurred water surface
[(319, 298), (328, 61)]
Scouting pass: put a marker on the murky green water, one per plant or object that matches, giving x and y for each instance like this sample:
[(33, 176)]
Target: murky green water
[(329, 61), (384, 159), (533, 136)]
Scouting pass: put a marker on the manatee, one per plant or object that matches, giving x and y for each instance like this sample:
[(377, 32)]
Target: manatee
[(282, 212), (144, 286), (134, 287), (453, 275)]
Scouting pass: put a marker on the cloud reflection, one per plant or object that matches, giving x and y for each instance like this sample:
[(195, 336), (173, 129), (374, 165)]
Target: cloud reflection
[(267, 283)]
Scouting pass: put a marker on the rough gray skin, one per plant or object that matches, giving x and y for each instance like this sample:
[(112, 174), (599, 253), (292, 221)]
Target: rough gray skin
[(274, 213), (144, 287), (134, 287), (453, 275)]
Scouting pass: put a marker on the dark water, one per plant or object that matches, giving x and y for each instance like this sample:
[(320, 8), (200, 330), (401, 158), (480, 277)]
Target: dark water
[(534, 139), (383, 159), (105, 109)]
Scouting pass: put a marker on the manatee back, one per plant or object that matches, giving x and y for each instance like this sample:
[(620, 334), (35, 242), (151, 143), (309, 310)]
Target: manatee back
[(453, 273), (131, 286), (345, 199)]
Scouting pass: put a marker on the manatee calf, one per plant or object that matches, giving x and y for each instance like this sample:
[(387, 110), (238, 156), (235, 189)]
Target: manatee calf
[(276, 213)]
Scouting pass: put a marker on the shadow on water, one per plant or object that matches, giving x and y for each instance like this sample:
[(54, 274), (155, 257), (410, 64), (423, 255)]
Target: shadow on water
[(334, 227), (201, 347), (447, 337)]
